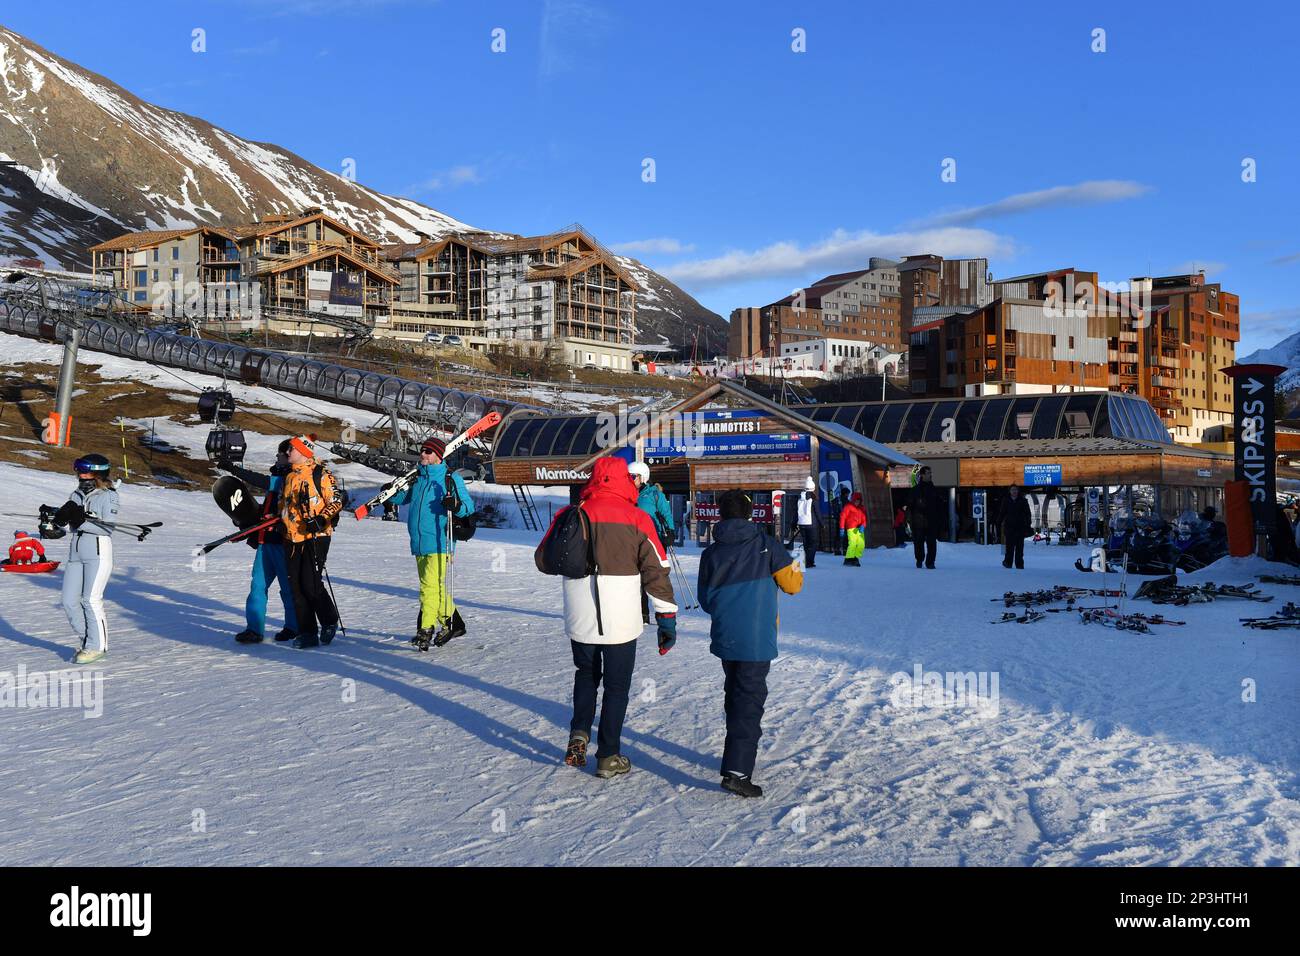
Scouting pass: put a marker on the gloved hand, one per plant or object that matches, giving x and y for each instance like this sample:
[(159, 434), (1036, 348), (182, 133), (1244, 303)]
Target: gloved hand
[(316, 524), (69, 514), (450, 502), (667, 631)]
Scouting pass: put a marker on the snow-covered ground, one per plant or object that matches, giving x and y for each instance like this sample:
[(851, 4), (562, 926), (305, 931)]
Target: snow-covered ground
[(1101, 747)]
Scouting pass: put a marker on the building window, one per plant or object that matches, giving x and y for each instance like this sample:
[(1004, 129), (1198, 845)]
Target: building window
[(155, 253), (176, 252), (141, 277)]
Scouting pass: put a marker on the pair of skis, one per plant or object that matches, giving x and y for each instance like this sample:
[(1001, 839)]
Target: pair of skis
[(141, 531), (401, 484), (1288, 617)]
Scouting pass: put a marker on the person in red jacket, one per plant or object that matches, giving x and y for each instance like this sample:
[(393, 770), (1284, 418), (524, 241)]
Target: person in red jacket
[(25, 549), (852, 516), (602, 611)]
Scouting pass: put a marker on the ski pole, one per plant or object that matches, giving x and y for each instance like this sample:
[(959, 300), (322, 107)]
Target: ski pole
[(681, 574), (322, 571)]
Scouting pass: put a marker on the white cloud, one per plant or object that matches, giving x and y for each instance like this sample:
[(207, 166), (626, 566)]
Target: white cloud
[(1286, 260), (841, 251), (663, 247), (1261, 330), (1088, 193), (448, 179)]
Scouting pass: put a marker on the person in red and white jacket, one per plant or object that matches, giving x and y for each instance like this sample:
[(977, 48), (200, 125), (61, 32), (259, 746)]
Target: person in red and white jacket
[(25, 549), (628, 557)]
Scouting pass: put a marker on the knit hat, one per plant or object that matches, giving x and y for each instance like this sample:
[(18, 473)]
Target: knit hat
[(809, 484), (434, 445), (305, 444)]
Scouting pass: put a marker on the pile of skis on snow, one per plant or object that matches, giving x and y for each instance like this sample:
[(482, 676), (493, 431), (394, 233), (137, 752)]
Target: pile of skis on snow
[(1280, 579), (1167, 590), (1289, 616), (1109, 617), (1061, 592)]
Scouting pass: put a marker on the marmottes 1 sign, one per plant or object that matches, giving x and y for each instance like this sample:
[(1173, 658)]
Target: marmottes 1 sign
[(1254, 444)]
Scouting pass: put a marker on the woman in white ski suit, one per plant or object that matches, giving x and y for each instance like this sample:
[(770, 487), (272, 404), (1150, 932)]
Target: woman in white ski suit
[(90, 554)]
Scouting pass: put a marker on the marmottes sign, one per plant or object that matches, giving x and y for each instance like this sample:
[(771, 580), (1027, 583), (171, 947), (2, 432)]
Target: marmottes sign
[(1254, 443)]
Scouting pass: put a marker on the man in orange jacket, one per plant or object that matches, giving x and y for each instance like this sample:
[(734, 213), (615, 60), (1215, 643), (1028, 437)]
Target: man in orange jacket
[(309, 506)]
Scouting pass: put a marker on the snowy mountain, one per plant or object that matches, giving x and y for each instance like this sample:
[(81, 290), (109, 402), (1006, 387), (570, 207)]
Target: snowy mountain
[(1286, 352), (98, 160)]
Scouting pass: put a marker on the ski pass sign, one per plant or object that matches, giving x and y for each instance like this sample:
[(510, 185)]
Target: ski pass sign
[(1042, 475), (1254, 445)]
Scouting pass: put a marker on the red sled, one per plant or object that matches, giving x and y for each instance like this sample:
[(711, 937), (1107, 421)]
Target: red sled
[(37, 567)]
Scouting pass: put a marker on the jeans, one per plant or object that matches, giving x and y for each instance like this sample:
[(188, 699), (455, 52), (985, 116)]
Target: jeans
[(613, 664), (746, 693)]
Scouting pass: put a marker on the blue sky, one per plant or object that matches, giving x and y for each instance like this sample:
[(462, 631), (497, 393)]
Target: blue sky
[(772, 167)]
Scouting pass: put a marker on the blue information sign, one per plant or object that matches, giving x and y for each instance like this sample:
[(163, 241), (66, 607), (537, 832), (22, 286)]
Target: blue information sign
[(1040, 475)]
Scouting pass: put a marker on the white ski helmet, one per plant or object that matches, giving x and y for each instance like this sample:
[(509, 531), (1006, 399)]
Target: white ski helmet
[(639, 469)]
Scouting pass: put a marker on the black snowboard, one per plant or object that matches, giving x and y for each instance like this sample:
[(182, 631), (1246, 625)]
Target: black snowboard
[(237, 500)]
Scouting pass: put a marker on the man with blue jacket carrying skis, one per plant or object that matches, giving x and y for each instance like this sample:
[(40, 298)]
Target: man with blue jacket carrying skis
[(436, 499)]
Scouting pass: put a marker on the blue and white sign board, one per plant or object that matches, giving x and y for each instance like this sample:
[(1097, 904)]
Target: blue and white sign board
[(1042, 475), (732, 433), (977, 505)]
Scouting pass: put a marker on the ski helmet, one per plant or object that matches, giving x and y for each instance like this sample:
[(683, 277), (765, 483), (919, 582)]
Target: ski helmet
[(639, 469), (92, 464)]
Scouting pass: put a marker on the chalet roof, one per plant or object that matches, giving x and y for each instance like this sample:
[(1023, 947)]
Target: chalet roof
[(559, 270), (277, 223), (319, 254), (405, 251), (148, 238)]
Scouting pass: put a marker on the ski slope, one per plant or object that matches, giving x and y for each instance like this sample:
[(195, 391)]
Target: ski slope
[(1106, 747)]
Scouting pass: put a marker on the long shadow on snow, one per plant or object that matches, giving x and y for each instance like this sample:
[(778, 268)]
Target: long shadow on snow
[(140, 599), (47, 582), (413, 595)]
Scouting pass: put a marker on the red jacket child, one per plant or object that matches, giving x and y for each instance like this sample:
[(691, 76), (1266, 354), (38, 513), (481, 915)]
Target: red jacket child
[(25, 549)]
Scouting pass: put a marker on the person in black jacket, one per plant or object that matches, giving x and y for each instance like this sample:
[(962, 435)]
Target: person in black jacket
[(1016, 524), (927, 515)]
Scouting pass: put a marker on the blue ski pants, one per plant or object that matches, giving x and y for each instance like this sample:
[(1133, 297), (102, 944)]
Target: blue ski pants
[(269, 565)]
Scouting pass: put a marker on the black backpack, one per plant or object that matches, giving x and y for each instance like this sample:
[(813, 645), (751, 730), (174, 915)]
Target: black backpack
[(569, 551)]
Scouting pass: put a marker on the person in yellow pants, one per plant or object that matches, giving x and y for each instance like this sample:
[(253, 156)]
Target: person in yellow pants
[(853, 527), (435, 499)]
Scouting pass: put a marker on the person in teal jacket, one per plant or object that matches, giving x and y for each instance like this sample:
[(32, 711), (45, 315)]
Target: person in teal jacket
[(652, 500), (433, 497)]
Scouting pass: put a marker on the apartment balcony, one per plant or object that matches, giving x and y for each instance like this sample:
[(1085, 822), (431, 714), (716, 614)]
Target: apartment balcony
[(111, 260)]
